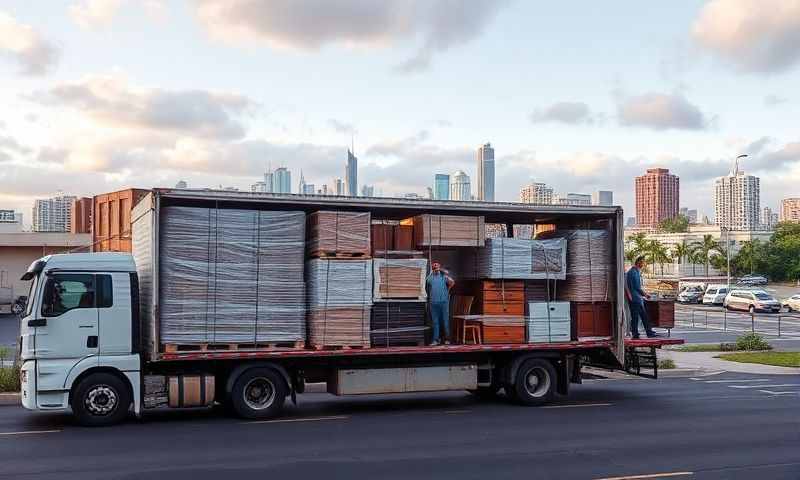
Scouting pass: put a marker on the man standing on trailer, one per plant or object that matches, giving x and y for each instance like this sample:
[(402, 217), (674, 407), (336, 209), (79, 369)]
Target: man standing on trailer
[(636, 295), (438, 285)]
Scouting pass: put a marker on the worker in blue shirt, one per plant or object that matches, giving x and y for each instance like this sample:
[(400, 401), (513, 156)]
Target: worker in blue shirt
[(636, 295), (438, 285)]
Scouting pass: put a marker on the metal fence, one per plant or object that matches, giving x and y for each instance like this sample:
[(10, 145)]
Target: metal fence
[(780, 324)]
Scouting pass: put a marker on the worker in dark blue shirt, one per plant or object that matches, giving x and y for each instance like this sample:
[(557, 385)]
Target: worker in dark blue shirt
[(636, 295), (438, 285)]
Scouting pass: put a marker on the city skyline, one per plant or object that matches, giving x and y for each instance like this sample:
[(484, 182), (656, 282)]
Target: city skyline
[(405, 91)]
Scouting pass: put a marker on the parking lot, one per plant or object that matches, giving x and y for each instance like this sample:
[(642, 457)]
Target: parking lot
[(717, 318)]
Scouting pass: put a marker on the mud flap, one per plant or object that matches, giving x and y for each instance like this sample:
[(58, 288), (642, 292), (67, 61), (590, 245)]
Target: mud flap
[(641, 358)]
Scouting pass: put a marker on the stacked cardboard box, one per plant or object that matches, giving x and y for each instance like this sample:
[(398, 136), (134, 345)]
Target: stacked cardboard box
[(339, 302), (231, 276), (333, 233), (399, 278)]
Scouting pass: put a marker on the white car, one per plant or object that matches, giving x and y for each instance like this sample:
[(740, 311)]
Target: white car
[(715, 295), (752, 301), (792, 304)]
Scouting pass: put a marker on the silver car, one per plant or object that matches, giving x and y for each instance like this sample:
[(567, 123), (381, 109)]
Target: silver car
[(752, 301)]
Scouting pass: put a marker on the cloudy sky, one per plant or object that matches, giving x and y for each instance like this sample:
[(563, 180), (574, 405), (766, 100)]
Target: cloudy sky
[(98, 95)]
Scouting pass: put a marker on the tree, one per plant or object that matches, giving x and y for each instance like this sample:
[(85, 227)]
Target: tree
[(636, 246), (778, 258), (656, 253), (705, 248), (679, 224)]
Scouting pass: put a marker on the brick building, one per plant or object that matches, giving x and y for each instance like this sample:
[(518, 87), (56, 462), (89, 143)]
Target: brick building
[(657, 197), (790, 210)]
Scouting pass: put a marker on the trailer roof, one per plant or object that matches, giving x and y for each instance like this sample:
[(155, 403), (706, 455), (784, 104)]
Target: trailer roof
[(387, 207)]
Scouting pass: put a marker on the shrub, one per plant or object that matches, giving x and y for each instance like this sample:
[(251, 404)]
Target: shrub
[(666, 364), (9, 379), (752, 341)]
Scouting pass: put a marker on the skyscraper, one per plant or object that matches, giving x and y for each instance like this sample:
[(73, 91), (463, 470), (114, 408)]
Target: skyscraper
[(572, 199), (441, 187), (737, 199), (301, 185), (769, 218), (269, 180), (790, 210), (351, 175), (367, 191), (338, 186), (459, 187), (282, 180), (260, 187), (53, 214), (485, 161), (603, 198), (536, 193), (657, 197)]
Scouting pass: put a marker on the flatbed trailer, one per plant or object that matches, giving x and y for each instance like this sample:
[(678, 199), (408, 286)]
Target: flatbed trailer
[(103, 358)]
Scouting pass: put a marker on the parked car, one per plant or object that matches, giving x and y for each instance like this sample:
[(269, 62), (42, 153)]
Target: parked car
[(752, 301), (691, 295), (753, 280), (792, 303), (715, 294)]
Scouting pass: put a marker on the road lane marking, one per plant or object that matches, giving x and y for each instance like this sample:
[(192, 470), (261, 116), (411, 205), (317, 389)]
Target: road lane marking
[(779, 393), (456, 412), (740, 381), (578, 405), (652, 475), (30, 432), (766, 386), (293, 420)]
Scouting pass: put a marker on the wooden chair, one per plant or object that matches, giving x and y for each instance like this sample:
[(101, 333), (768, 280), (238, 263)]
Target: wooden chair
[(473, 329), (462, 305)]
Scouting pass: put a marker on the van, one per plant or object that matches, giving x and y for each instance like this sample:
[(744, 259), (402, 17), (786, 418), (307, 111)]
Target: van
[(715, 294)]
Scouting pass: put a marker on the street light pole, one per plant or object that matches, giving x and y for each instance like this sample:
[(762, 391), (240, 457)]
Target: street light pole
[(728, 241)]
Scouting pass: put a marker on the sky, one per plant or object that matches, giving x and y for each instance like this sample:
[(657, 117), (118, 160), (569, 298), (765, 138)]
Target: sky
[(100, 95)]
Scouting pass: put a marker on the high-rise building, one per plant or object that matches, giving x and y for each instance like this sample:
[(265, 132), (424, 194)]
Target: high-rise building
[(269, 180), (429, 191), (537, 193), (181, 184), (737, 199), (260, 187), (10, 221), (367, 191), (630, 222), (338, 186), (309, 189), (351, 175), (282, 180), (53, 214), (790, 210), (769, 219), (604, 198), (485, 161), (574, 199), (80, 220), (301, 185), (459, 186), (690, 214), (657, 197), (412, 195), (441, 186)]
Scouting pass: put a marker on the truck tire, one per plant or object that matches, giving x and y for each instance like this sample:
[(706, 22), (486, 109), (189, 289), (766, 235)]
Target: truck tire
[(258, 393), (535, 382), (101, 399)]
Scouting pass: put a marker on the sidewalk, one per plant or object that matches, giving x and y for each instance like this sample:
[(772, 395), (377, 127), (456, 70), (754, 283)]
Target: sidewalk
[(706, 361)]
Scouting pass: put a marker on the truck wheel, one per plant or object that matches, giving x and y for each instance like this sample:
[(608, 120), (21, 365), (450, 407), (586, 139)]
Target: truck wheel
[(535, 383), (101, 399), (258, 393)]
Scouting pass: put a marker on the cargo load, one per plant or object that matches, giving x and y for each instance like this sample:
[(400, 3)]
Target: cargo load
[(513, 258), (590, 265), (399, 278), (398, 323), (336, 233), (448, 231)]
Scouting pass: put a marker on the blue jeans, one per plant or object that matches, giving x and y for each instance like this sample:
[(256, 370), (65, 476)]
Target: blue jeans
[(440, 318), (638, 312)]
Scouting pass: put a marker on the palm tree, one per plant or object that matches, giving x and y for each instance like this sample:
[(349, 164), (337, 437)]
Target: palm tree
[(637, 244), (705, 247), (657, 253), (681, 251)]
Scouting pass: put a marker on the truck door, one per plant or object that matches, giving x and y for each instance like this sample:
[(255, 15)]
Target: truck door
[(68, 328), (114, 313)]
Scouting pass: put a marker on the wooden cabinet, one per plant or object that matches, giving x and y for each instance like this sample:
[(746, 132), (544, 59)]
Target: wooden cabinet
[(660, 313), (503, 333), (592, 319), (499, 297)]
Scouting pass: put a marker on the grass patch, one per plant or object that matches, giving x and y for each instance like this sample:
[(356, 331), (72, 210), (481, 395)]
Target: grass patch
[(666, 364), (699, 347), (778, 359)]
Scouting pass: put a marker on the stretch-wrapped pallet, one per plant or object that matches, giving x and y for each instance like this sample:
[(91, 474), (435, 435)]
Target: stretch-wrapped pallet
[(339, 302), (590, 265), (399, 278), (449, 231), (339, 233), (513, 258), (231, 276), (398, 323)]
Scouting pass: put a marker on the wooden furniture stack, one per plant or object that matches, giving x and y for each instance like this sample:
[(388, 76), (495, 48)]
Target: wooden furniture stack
[(592, 319), (500, 297), (549, 322), (339, 234), (660, 313), (448, 231)]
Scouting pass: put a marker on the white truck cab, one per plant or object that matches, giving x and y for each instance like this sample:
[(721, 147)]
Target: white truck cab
[(79, 336)]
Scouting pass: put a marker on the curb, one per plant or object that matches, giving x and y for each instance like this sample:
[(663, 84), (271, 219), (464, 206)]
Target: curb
[(10, 399), (686, 372)]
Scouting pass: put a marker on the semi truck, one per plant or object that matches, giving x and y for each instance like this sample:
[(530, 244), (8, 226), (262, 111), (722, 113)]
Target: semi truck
[(98, 353)]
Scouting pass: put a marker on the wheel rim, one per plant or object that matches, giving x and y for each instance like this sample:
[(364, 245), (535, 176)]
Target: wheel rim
[(259, 393), (101, 400), (537, 382)]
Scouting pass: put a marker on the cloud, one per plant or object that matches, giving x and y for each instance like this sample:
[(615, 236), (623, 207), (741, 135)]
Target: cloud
[(660, 111), (774, 100), (26, 46), (341, 127), (112, 100), (570, 113), (435, 25), (94, 14), (758, 36), (415, 151)]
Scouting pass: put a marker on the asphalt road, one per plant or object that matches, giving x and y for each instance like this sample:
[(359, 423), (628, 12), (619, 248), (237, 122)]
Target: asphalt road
[(719, 427)]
